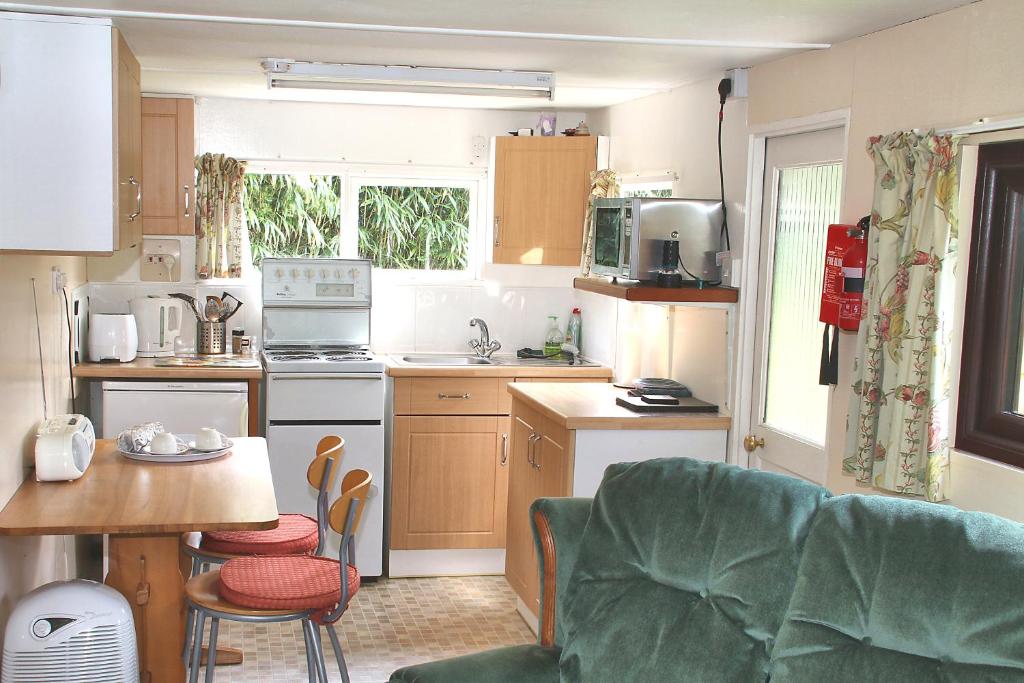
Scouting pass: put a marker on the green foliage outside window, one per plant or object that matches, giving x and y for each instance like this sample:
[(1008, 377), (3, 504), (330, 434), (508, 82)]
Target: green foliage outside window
[(664, 192), (423, 228), (293, 215)]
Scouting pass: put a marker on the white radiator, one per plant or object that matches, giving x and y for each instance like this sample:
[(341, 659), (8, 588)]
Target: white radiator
[(78, 631)]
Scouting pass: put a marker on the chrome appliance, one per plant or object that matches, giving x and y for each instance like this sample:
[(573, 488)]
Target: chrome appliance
[(321, 380), (630, 234)]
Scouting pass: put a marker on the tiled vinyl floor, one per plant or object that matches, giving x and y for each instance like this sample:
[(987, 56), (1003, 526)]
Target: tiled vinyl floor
[(389, 624)]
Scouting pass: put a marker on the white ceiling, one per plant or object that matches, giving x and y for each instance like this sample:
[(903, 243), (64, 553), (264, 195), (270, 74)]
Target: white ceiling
[(218, 59)]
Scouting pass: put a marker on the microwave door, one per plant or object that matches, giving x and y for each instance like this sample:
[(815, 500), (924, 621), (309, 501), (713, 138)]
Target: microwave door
[(607, 240)]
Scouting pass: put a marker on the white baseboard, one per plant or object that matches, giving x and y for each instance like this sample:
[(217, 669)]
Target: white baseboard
[(532, 621), (459, 562)]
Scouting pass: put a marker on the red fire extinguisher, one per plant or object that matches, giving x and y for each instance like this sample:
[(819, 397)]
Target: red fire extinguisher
[(854, 262)]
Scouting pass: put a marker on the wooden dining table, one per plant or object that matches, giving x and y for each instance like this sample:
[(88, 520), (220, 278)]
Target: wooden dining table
[(145, 507)]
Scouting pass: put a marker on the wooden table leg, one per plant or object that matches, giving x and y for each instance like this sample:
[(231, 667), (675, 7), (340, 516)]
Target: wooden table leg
[(254, 408), (146, 570)]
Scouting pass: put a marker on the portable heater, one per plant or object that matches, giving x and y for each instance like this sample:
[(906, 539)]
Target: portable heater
[(70, 631)]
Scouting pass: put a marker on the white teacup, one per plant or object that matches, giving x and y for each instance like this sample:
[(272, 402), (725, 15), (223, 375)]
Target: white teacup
[(209, 439), (164, 443)]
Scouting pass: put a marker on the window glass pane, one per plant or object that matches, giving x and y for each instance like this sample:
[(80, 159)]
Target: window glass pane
[(647, 190), (292, 215), (422, 228), (808, 201)]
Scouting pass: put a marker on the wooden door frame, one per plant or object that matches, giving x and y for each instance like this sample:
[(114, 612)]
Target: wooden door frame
[(746, 325)]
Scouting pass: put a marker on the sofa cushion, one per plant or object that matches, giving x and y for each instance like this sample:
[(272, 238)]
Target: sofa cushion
[(520, 664), (897, 590), (684, 572)]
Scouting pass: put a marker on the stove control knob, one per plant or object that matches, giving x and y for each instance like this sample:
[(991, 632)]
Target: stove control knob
[(309, 273), (354, 273), (294, 272), (278, 273), (323, 273), (337, 274)]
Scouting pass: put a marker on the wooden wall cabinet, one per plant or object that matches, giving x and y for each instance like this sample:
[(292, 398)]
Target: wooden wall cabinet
[(70, 171), (541, 190), (168, 165)]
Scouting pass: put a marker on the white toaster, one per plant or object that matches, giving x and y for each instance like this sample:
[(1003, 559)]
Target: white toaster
[(64, 447)]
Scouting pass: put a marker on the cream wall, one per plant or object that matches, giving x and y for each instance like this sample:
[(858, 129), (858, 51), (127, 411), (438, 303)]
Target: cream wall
[(946, 70), (30, 561)]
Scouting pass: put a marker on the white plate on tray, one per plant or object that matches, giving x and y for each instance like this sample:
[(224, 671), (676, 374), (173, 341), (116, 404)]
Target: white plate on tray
[(226, 444), (184, 454)]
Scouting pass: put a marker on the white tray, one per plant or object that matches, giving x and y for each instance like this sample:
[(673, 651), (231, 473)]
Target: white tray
[(187, 456)]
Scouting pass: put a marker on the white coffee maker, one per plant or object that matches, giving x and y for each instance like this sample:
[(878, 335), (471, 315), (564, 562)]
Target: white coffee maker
[(158, 319)]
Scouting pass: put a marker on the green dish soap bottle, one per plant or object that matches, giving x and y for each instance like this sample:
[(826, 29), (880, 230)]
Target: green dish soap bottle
[(553, 339)]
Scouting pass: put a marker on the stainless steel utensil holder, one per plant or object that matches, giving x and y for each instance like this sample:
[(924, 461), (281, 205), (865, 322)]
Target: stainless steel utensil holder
[(212, 338)]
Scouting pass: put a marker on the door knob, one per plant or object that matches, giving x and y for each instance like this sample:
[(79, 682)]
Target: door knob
[(751, 443)]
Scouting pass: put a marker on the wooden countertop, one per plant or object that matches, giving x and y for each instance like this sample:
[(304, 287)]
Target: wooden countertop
[(121, 496), (145, 368), (397, 369), (585, 405)]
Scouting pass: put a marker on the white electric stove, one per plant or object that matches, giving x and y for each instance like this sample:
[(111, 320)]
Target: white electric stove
[(323, 380)]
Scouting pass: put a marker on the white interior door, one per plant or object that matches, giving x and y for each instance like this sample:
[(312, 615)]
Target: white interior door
[(803, 180)]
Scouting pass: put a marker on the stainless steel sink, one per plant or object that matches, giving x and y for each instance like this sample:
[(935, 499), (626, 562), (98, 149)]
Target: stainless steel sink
[(418, 359)]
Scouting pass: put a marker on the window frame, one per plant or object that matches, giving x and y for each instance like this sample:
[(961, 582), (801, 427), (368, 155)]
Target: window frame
[(472, 180), (990, 357), (354, 176)]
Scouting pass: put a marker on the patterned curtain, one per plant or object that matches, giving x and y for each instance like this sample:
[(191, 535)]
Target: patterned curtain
[(220, 220), (897, 425), (603, 183)]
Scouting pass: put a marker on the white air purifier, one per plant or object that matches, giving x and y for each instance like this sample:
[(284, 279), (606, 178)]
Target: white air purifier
[(70, 631)]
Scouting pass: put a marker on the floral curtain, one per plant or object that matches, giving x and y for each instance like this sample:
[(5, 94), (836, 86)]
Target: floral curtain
[(603, 183), (897, 425), (220, 221)]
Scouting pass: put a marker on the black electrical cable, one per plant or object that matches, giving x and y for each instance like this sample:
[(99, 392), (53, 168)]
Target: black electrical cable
[(724, 88), (701, 283), (71, 344)]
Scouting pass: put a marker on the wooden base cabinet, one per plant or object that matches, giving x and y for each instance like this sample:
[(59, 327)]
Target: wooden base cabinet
[(449, 482), (539, 465)]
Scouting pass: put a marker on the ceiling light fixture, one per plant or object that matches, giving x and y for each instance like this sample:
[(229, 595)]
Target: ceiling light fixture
[(288, 73)]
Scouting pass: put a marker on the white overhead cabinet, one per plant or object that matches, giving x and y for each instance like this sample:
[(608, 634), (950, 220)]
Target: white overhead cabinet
[(70, 138)]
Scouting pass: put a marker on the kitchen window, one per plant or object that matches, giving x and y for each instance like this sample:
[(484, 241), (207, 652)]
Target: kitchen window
[(424, 221), (659, 189), (990, 419)]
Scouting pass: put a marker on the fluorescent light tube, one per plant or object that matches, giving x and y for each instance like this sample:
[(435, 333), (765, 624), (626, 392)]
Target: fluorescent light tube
[(286, 73)]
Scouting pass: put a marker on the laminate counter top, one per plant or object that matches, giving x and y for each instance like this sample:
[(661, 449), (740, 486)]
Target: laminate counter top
[(146, 368), (586, 405)]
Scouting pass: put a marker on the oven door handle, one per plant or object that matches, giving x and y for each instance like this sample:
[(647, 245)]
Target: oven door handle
[(315, 375)]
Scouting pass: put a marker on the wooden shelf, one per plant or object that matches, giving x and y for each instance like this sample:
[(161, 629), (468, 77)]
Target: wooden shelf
[(646, 293)]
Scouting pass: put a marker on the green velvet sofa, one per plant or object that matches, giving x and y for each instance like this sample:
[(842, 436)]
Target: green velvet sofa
[(681, 570)]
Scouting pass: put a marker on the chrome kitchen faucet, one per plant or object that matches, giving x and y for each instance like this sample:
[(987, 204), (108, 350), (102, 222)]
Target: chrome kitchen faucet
[(483, 346)]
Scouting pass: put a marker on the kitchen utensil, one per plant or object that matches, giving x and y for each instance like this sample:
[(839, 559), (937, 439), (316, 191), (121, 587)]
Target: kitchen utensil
[(113, 336), (214, 308), (212, 338), (191, 302), (158, 320), (228, 312)]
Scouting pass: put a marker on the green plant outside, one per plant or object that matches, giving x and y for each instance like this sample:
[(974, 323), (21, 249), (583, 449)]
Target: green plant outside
[(399, 227), (424, 228)]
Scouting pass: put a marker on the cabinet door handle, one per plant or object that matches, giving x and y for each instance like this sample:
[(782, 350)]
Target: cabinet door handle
[(504, 449), (457, 397), (497, 231), (187, 200), (138, 199), (535, 439), (529, 448)]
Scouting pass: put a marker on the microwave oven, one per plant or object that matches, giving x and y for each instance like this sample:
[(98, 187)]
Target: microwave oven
[(629, 234)]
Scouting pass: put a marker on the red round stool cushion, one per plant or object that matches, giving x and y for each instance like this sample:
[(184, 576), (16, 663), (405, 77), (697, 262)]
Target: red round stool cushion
[(295, 582), (294, 535)]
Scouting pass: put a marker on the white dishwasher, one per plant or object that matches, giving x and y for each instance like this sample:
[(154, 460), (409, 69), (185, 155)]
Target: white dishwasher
[(182, 407)]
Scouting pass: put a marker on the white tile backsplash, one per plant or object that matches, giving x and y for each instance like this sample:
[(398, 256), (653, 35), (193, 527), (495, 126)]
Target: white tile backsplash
[(441, 318)]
